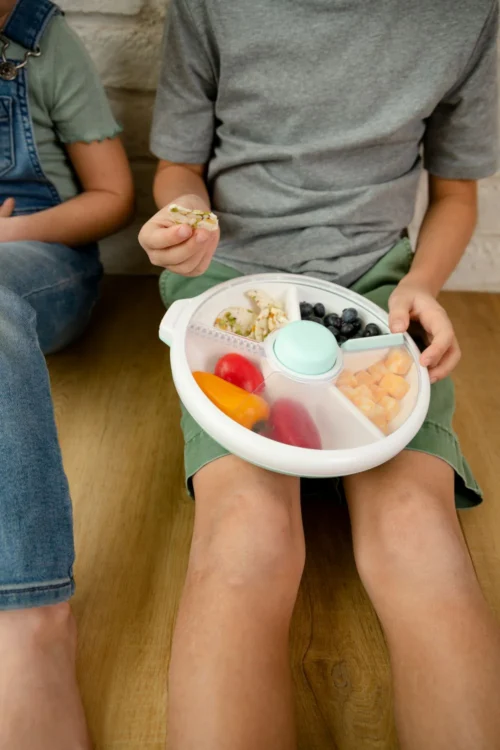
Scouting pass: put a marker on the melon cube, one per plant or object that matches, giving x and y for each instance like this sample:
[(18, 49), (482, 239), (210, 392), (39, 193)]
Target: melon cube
[(364, 378), (391, 407), (378, 393), (381, 422), (377, 371), (398, 361), (346, 378), (348, 391), (395, 385), (360, 393), (373, 412)]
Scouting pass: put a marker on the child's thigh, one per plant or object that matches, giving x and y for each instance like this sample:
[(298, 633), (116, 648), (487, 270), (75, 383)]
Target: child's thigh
[(60, 283)]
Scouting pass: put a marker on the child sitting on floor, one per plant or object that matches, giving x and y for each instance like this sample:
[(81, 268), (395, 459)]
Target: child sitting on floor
[(301, 124)]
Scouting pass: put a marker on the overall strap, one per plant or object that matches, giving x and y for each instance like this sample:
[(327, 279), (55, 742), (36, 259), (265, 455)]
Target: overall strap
[(28, 21)]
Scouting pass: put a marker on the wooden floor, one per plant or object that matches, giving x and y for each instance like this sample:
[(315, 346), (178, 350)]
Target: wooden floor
[(118, 419)]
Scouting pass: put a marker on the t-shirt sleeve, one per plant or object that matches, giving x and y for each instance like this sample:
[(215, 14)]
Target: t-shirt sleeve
[(79, 107), (461, 138), (184, 120)]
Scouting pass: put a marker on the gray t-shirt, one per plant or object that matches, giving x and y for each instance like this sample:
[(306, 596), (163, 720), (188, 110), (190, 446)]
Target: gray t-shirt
[(312, 115)]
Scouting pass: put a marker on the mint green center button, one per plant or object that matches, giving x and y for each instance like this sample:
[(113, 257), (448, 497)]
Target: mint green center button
[(306, 348)]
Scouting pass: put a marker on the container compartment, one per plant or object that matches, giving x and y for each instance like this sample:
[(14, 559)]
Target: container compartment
[(382, 384), (338, 301), (206, 345), (338, 423), (238, 311)]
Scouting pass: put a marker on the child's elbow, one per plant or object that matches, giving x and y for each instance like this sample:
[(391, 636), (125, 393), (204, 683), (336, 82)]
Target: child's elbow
[(124, 206), (129, 207)]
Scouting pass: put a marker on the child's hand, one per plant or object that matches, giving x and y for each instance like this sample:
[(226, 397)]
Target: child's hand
[(179, 248), (7, 208), (412, 300), (7, 224)]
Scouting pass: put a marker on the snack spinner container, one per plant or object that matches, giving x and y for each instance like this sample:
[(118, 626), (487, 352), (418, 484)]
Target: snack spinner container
[(323, 410)]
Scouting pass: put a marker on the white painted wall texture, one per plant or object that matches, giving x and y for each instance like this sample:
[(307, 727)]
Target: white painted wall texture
[(124, 37)]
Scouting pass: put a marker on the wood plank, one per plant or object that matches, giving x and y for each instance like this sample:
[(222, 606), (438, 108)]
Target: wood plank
[(117, 414), (477, 321), (118, 419), (340, 665)]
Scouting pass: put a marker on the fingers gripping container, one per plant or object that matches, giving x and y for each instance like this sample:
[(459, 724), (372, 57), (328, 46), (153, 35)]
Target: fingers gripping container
[(309, 407)]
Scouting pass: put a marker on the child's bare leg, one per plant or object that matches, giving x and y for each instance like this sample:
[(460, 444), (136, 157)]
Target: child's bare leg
[(444, 642), (230, 683), (40, 707)]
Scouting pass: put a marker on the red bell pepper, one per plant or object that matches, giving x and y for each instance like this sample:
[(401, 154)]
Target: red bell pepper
[(291, 423), (239, 371)]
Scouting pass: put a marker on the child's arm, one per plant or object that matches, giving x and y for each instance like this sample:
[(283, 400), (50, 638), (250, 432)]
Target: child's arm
[(180, 249), (446, 230), (172, 180), (460, 147), (104, 206)]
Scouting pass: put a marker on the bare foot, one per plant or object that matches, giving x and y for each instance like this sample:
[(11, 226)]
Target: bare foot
[(40, 706)]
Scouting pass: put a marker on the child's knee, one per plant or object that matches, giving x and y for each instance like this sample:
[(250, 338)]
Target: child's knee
[(414, 539), (252, 538), (17, 321)]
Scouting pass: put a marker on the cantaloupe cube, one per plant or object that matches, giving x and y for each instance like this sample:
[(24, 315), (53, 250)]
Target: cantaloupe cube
[(398, 361), (348, 391), (364, 378), (391, 407), (348, 378), (373, 411), (377, 371), (360, 393), (381, 422), (378, 393), (395, 385)]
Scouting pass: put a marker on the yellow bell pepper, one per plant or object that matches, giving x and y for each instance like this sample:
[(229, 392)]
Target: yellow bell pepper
[(247, 409)]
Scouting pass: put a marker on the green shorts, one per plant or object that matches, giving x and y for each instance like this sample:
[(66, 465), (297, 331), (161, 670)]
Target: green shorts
[(436, 436)]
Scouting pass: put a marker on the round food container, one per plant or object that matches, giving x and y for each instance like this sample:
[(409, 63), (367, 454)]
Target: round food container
[(296, 375)]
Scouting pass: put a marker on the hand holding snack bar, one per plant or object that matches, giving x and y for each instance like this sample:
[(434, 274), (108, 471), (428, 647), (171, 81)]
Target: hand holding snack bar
[(182, 237)]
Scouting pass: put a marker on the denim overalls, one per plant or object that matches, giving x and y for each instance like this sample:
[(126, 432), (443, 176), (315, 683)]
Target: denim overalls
[(21, 174), (47, 292)]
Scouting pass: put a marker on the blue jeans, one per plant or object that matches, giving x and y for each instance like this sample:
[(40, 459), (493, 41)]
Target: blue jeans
[(47, 293)]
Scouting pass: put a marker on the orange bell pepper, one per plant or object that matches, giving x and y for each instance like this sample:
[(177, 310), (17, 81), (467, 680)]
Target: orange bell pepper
[(247, 409)]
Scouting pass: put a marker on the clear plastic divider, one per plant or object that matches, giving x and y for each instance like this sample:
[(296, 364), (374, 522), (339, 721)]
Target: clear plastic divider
[(205, 346)]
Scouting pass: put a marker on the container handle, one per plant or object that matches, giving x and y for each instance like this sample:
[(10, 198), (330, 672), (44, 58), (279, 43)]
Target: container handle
[(170, 320)]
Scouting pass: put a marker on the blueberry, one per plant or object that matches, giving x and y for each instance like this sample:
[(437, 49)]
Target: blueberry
[(306, 310), (319, 310), (357, 324), (316, 320), (349, 315), (332, 319), (333, 331), (341, 340), (358, 335), (347, 330), (372, 329)]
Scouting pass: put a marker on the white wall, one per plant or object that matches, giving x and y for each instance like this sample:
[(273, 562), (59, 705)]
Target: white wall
[(124, 38)]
